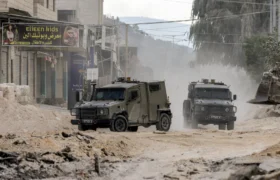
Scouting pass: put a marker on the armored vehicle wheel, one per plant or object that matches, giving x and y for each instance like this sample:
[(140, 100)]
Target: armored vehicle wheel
[(194, 123), (94, 128), (186, 124), (164, 122), (120, 124), (112, 124), (230, 126), (82, 127), (222, 127), (132, 129)]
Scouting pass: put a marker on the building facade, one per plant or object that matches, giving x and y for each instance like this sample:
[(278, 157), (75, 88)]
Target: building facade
[(90, 14), (87, 12), (44, 69)]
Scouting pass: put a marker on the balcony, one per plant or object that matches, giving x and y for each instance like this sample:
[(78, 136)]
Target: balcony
[(22, 5)]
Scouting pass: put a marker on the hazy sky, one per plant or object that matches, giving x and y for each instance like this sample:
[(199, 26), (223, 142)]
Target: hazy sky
[(159, 9)]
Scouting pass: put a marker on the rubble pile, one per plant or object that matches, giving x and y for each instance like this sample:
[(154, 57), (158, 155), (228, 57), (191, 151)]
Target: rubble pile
[(19, 114), (59, 155), (15, 93), (231, 169), (29, 165), (266, 112)]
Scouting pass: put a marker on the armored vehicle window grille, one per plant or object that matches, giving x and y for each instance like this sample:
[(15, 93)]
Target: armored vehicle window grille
[(134, 95), (154, 87), (88, 113), (216, 109)]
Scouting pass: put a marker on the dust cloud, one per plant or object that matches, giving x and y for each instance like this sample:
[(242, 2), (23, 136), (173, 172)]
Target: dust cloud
[(178, 78)]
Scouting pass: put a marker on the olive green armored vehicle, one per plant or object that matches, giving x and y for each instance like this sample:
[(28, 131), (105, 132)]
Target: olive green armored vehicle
[(209, 102), (125, 105)]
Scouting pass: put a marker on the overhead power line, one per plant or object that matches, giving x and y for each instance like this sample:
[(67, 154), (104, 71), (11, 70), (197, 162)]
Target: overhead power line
[(167, 27), (201, 19), (162, 30), (225, 1), (176, 1), (252, 3)]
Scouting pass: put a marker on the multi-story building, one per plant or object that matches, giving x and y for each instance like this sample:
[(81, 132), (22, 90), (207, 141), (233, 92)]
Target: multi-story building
[(44, 9), (44, 69), (87, 12), (90, 14)]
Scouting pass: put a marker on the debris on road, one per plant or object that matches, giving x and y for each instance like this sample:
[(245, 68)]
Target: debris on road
[(159, 132), (19, 142), (10, 136), (171, 177), (66, 135), (270, 165)]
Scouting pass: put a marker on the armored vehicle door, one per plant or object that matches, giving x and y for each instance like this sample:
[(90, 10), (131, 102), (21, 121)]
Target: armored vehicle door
[(144, 117), (133, 105)]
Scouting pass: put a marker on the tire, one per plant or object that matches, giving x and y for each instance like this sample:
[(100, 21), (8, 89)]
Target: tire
[(132, 129), (194, 123), (112, 124), (186, 124), (230, 125), (120, 124), (82, 127), (222, 127), (164, 122), (94, 128)]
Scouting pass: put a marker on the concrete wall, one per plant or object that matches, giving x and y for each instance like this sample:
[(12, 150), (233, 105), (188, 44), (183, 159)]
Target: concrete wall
[(37, 8), (49, 4), (23, 5), (44, 13), (88, 11)]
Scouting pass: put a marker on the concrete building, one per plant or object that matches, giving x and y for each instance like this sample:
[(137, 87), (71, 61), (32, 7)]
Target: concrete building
[(87, 12), (90, 14), (44, 69), (44, 9)]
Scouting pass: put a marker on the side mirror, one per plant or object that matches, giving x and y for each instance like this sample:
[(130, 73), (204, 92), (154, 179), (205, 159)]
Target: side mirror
[(77, 96), (234, 97)]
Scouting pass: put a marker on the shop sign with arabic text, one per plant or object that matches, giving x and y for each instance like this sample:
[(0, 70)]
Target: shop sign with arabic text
[(51, 35)]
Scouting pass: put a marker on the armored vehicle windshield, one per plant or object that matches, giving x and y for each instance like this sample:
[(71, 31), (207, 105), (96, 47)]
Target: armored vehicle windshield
[(212, 93), (106, 94)]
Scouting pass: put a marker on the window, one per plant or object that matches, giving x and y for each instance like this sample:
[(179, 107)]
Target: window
[(48, 4), (134, 95), (154, 87), (115, 94)]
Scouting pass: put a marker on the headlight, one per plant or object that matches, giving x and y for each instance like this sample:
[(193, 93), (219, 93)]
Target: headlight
[(227, 109), (74, 112), (103, 111), (235, 109), (200, 108)]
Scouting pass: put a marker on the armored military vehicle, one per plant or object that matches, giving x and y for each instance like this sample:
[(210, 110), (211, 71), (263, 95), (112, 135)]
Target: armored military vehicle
[(268, 91), (125, 105), (209, 102)]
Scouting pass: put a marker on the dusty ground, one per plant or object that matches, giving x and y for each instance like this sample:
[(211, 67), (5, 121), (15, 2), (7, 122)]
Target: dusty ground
[(53, 149)]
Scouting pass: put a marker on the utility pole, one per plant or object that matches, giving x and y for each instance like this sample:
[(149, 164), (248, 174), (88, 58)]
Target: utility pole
[(118, 50), (274, 14), (126, 50), (278, 20), (271, 17)]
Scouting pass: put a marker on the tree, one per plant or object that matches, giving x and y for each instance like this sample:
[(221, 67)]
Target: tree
[(220, 31), (262, 52)]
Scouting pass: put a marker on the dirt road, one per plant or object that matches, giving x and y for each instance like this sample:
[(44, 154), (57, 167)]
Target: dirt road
[(189, 154), (42, 144), (163, 152)]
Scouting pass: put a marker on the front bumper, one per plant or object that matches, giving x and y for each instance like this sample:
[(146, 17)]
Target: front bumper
[(209, 118), (92, 122)]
